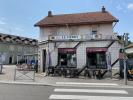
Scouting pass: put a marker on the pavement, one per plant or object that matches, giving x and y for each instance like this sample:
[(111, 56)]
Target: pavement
[(40, 79), (84, 92), (60, 88)]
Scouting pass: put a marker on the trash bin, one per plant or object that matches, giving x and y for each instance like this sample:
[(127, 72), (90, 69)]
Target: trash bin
[(1, 66)]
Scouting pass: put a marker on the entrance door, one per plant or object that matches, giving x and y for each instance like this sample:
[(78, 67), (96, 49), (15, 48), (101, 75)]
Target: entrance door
[(91, 60), (10, 60), (44, 60)]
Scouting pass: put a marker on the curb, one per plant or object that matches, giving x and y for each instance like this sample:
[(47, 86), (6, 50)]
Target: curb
[(46, 84), (25, 83)]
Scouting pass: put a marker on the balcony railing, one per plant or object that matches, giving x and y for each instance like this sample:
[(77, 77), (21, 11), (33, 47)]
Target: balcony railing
[(81, 37)]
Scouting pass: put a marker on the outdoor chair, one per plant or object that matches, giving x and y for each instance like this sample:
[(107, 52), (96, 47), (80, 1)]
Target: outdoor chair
[(74, 73), (51, 70), (66, 72), (57, 71), (98, 74), (87, 73)]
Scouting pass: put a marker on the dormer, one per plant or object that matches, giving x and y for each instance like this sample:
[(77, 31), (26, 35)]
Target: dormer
[(33, 42), (7, 38), (25, 41), (17, 39)]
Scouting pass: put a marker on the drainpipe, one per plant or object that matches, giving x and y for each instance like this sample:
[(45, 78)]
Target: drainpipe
[(114, 25), (125, 39)]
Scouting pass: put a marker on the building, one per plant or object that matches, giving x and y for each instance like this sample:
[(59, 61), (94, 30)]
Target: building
[(15, 48), (129, 51), (77, 40)]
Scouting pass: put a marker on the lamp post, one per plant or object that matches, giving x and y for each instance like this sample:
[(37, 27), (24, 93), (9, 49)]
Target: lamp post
[(125, 43)]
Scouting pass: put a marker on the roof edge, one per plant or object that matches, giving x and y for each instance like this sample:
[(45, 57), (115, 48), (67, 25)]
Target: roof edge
[(74, 24)]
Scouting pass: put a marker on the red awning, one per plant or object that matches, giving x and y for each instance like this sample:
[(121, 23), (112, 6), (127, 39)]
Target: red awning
[(66, 50), (96, 49)]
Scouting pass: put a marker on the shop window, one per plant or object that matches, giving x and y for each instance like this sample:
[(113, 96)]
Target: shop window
[(96, 60), (67, 57)]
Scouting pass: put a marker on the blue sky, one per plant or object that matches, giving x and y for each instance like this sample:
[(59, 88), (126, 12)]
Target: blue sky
[(18, 17)]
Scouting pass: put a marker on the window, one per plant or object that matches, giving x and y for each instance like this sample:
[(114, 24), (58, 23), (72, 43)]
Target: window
[(67, 57), (97, 60), (96, 57), (94, 32)]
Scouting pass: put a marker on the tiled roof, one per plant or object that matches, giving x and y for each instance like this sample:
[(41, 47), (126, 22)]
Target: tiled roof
[(129, 46), (17, 39), (77, 19)]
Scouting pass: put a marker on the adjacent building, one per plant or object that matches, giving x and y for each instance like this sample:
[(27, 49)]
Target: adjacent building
[(77, 40), (15, 48)]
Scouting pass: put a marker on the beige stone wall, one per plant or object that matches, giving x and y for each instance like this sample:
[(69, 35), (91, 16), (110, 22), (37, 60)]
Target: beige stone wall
[(104, 29), (81, 51), (114, 50)]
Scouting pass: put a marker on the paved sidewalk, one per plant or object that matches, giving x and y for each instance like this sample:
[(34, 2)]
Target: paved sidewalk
[(8, 77)]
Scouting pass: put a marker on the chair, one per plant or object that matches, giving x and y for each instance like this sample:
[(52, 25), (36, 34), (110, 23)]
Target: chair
[(50, 70)]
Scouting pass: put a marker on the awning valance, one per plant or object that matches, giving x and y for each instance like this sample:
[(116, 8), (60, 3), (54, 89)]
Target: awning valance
[(96, 49), (66, 50)]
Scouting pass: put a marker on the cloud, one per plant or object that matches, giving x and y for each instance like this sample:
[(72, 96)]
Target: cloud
[(10, 28), (19, 29), (2, 22), (130, 6), (1, 30), (119, 7)]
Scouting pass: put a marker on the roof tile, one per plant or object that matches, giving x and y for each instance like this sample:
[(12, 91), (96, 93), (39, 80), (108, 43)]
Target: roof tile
[(74, 19)]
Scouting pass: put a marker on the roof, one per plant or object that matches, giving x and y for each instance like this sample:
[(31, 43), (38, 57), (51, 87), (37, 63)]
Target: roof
[(77, 19), (129, 46), (14, 39)]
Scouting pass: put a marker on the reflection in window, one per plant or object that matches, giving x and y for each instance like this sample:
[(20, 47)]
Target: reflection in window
[(96, 60), (67, 58)]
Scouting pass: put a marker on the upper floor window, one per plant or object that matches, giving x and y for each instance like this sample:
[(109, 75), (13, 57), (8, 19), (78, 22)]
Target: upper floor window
[(94, 32), (94, 29)]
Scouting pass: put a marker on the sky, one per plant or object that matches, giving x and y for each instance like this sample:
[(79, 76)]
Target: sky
[(17, 17)]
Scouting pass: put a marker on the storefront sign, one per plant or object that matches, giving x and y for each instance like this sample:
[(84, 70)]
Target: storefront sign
[(65, 37)]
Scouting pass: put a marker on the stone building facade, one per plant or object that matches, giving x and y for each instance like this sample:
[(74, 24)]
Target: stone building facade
[(15, 48), (77, 40)]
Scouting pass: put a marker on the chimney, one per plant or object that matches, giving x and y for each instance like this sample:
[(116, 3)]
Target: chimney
[(49, 13), (103, 9)]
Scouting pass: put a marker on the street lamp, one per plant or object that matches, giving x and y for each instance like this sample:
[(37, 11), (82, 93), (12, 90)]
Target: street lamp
[(125, 43)]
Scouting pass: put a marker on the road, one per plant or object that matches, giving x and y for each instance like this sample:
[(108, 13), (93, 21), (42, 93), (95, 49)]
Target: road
[(24, 92), (64, 92)]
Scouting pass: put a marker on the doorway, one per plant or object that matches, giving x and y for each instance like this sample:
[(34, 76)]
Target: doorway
[(10, 60), (44, 60)]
